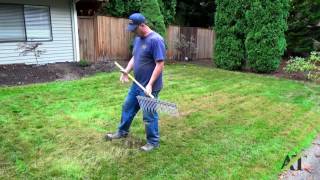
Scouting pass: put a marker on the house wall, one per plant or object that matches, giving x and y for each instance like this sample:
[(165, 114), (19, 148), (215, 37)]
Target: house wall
[(63, 46)]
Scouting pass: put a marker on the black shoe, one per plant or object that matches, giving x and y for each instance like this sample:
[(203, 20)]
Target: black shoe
[(117, 135)]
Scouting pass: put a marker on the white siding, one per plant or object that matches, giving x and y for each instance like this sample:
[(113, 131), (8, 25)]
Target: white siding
[(60, 49)]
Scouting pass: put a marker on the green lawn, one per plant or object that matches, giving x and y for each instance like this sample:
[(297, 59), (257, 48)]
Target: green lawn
[(231, 126)]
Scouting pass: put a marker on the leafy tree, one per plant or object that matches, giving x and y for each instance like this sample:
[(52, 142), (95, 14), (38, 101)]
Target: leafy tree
[(195, 13), (150, 9), (121, 8), (168, 10), (303, 25), (115, 8)]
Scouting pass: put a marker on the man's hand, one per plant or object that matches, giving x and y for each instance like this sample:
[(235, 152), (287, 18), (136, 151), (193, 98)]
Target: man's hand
[(124, 77), (149, 89), (155, 74)]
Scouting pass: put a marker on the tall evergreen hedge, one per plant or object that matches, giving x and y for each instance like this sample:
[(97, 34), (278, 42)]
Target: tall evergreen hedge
[(250, 32), (265, 41), (229, 28), (151, 10)]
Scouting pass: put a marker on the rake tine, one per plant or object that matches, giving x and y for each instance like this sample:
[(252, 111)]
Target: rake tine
[(155, 105), (151, 104)]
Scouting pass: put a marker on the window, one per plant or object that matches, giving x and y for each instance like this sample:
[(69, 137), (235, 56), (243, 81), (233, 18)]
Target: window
[(24, 23), (11, 23), (37, 20)]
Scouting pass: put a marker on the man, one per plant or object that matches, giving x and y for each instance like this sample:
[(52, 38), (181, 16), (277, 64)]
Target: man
[(147, 63)]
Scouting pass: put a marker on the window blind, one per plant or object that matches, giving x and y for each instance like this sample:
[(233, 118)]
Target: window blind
[(24, 23), (37, 20), (12, 23)]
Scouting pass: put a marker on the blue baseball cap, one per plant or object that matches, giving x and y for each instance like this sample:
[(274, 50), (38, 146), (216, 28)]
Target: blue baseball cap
[(135, 20)]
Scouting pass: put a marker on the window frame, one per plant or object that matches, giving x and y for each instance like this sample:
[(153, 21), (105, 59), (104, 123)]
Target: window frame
[(24, 24)]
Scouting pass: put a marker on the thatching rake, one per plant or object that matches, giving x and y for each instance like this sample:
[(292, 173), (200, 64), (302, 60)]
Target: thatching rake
[(151, 104)]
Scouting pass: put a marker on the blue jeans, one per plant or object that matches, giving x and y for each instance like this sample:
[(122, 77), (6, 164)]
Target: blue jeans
[(130, 109)]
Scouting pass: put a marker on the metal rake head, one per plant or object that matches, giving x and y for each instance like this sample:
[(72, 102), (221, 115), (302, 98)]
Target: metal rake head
[(154, 105)]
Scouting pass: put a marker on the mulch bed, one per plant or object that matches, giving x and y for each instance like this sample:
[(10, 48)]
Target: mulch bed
[(21, 74)]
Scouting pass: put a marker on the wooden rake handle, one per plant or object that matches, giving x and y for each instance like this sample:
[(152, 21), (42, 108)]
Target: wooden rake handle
[(132, 78)]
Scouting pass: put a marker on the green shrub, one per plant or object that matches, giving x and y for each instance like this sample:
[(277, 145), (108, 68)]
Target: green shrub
[(265, 40), (298, 64), (229, 52), (310, 66), (229, 28), (151, 10), (315, 57), (83, 63)]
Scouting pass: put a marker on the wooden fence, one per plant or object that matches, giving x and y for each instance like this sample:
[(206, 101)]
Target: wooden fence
[(190, 42), (87, 38), (103, 38), (106, 38)]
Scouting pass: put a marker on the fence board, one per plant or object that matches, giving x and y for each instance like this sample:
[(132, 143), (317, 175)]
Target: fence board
[(204, 44), (173, 33), (86, 38)]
